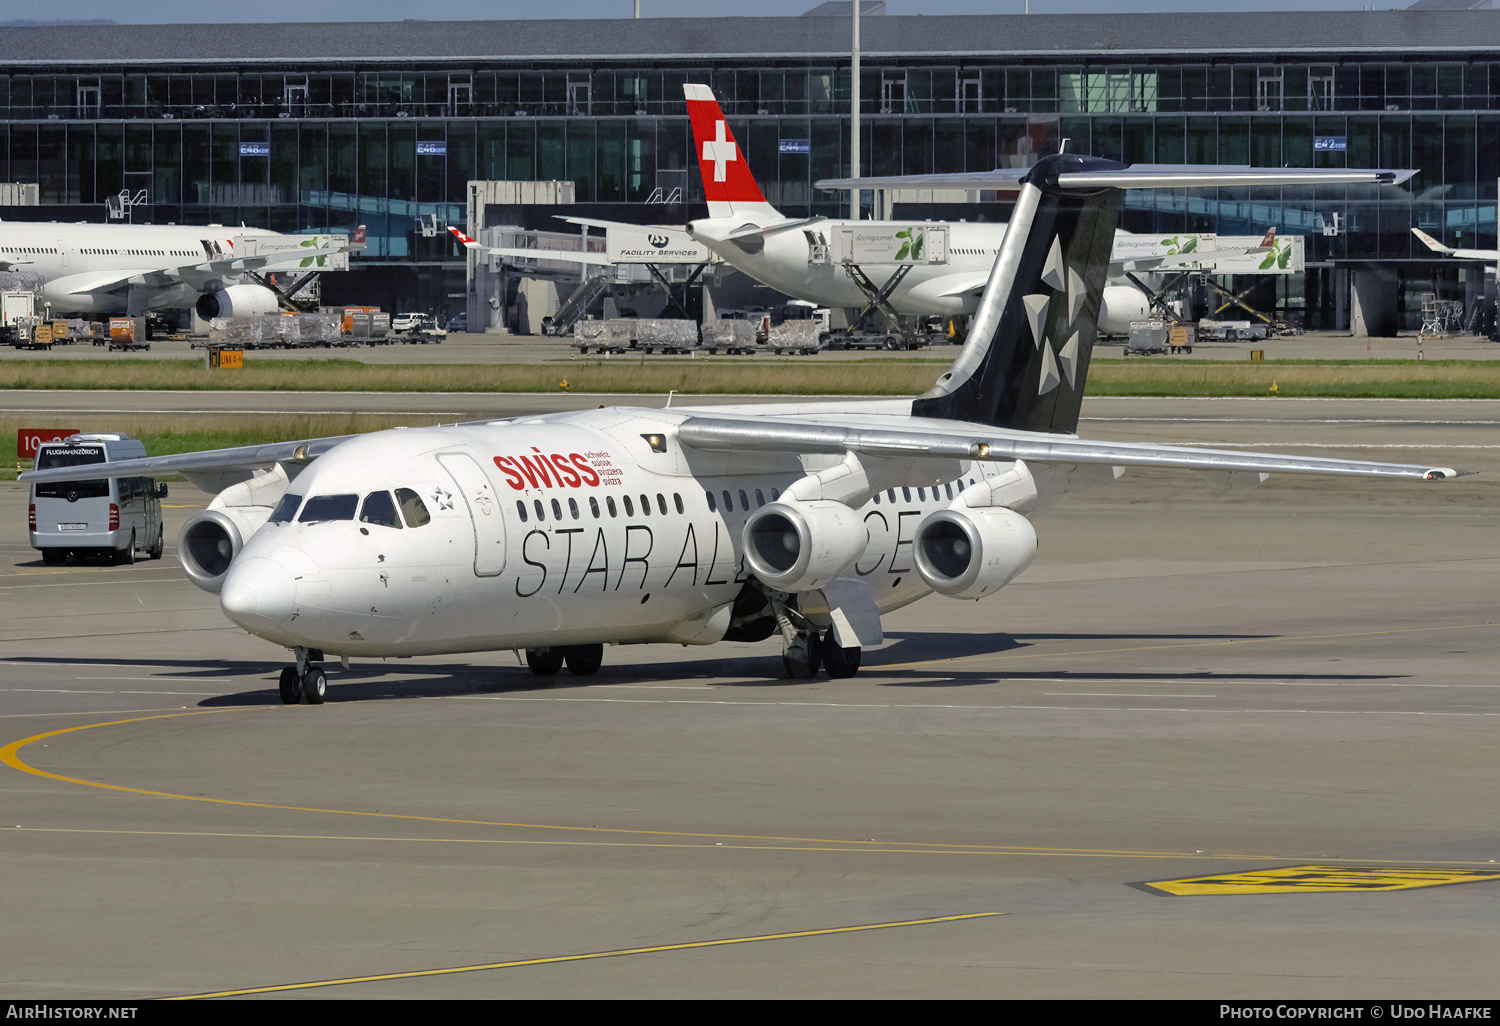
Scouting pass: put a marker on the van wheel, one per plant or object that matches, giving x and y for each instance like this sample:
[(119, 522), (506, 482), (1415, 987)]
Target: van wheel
[(161, 543), (54, 557), (126, 556)]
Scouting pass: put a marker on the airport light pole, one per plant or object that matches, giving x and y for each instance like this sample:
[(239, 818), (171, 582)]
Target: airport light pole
[(854, 116)]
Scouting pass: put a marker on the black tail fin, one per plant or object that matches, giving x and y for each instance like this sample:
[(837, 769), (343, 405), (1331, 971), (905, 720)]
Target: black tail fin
[(1027, 355)]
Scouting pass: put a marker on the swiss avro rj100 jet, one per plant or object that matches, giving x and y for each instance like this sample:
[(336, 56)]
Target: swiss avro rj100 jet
[(563, 533)]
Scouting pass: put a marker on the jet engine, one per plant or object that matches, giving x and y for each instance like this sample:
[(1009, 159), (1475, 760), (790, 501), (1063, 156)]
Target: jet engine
[(971, 553), (1120, 305), (211, 539), (237, 301), (801, 546)]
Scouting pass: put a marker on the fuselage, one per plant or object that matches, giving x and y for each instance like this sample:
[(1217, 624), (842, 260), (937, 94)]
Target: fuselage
[(533, 533), (786, 261), (72, 259), (795, 261)]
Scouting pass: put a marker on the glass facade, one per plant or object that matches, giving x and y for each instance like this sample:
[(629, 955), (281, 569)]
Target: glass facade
[(298, 147)]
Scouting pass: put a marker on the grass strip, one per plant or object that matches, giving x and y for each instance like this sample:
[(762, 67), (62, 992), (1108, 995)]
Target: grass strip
[(1437, 379)]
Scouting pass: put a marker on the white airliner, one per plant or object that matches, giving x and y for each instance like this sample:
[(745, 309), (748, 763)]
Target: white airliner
[(563, 533), (131, 269), (1492, 255), (801, 257)]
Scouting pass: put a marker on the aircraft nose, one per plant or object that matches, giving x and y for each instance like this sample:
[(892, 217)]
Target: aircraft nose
[(258, 593)]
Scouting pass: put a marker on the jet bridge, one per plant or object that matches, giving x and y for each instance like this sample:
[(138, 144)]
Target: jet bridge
[(570, 273)]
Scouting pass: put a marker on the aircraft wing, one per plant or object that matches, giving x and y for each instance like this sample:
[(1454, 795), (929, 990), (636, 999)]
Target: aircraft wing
[(569, 256), (1462, 254), (904, 438), (973, 284), (243, 457), (1134, 176)]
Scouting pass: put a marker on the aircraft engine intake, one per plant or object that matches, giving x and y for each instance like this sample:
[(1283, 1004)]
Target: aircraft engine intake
[(237, 301), (972, 553), (1119, 305), (802, 546), (209, 542)]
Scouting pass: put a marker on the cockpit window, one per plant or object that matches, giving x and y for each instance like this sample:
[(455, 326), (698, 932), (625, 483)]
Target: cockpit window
[(285, 510), (412, 507), (379, 509), (328, 507)]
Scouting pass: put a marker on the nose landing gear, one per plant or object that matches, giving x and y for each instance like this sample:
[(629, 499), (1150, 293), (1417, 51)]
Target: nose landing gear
[(305, 680)]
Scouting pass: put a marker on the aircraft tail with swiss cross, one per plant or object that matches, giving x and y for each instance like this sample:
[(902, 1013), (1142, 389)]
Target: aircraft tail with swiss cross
[(728, 184)]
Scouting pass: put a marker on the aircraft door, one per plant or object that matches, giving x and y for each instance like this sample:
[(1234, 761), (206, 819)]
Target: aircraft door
[(484, 512)]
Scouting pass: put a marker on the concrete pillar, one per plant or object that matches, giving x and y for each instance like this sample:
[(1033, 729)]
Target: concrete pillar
[(1372, 301), (535, 299)]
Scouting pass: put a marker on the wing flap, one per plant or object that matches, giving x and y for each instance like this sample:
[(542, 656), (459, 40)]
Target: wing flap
[(713, 433)]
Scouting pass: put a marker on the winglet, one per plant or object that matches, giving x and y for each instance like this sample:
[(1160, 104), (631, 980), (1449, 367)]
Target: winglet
[(467, 242), (1430, 242)]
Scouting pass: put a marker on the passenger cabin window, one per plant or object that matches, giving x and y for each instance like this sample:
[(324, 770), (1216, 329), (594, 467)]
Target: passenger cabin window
[(412, 507), (379, 509), (710, 497), (322, 508), (521, 510), (285, 510)]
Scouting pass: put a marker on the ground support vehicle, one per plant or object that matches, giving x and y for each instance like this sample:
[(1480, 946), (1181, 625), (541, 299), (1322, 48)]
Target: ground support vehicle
[(115, 519)]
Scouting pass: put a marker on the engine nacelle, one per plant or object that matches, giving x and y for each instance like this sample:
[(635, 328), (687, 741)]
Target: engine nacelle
[(1119, 305), (972, 553), (211, 539), (801, 546), (237, 301)]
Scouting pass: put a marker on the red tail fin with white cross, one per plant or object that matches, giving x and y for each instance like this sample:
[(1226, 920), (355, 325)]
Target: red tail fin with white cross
[(728, 184)]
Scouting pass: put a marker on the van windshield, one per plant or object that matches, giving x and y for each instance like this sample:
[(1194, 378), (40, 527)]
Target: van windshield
[(73, 456)]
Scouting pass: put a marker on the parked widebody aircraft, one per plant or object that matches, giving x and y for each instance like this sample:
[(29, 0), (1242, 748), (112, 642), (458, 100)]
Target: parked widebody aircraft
[(563, 533), (810, 258), (131, 269)]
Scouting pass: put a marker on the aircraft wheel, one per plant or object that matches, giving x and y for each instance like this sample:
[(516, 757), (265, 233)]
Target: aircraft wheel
[(544, 662), (839, 662), (584, 660), (315, 685), (801, 657), (290, 686)]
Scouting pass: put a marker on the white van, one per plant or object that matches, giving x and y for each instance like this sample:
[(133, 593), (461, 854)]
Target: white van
[(111, 517)]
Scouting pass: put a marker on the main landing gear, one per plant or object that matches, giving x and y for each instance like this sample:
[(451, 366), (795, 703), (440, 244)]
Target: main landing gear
[(306, 679), (808, 646), (582, 660)]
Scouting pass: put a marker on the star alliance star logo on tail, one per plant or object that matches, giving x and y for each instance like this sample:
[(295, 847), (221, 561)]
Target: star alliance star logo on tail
[(1066, 284)]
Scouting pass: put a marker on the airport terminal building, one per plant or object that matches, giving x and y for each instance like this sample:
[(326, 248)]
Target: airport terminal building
[(325, 126)]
